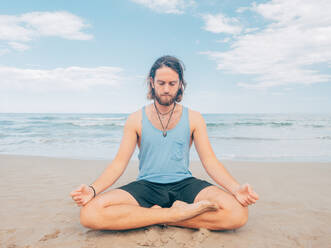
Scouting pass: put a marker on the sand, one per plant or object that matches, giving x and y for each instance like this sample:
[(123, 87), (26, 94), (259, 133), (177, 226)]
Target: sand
[(36, 209)]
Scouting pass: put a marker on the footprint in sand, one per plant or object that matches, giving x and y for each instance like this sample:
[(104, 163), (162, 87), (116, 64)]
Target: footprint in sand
[(201, 235), (53, 235), (155, 236), (11, 230), (151, 238), (12, 246), (188, 239)]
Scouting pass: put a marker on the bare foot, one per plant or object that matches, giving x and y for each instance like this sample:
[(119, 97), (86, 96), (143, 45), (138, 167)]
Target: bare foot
[(185, 210)]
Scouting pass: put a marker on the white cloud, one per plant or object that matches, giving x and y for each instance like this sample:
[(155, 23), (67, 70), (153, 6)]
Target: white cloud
[(70, 78), (299, 12), (18, 46), (166, 6), (298, 37), (242, 9), (225, 40), (249, 30), (29, 26), (221, 24), (13, 29), (61, 24)]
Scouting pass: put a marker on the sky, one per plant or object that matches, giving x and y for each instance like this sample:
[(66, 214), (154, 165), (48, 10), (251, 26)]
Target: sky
[(94, 56)]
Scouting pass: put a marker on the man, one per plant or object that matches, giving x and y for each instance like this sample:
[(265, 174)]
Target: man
[(165, 191)]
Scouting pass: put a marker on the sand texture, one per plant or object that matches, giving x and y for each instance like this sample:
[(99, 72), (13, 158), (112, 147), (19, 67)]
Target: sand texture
[(36, 209)]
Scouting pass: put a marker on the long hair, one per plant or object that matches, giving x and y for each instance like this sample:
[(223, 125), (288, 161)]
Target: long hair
[(173, 63)]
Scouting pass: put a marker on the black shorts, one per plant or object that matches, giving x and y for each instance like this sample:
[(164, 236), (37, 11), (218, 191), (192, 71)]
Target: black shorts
[(149, 194)]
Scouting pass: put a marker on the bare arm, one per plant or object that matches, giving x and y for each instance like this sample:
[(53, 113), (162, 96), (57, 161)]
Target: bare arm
[(116, 168), (212, 165), (215, 169)]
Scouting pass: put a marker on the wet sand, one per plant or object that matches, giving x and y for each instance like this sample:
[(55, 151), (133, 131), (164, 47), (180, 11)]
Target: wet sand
[(36, 210)]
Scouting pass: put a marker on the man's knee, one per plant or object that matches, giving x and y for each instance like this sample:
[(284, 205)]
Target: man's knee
[(233, 217), (84, 217), (89, 215), (237, 217)]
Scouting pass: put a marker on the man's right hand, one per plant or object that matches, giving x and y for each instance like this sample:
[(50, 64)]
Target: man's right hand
[(82, 195)]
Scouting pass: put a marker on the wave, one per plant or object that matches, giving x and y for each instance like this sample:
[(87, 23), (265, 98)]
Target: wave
[(324, 137), (249, 123), (3, 135), (268, 139), (216, 124), (64, 140), (315, 125), (39, 122), (95, 124), (272, 123), (104, 118), (242, 138), (5, 122), (43, 118)]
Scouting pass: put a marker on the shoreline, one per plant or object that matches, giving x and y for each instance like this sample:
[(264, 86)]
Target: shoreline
[(37, 211), (191, 161)]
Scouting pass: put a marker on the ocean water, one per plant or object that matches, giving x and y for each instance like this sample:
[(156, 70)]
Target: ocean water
[(250, 137)]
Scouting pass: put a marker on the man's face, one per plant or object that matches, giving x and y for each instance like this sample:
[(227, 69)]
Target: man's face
[(166, 85)]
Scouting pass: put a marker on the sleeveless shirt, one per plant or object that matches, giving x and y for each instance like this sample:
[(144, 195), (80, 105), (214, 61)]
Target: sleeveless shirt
[(164, 159)]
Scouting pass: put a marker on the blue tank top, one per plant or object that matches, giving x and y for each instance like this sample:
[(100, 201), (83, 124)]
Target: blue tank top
[(164, 159)]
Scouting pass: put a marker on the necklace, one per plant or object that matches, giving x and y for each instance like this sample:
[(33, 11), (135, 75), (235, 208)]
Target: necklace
[(165, 113), (158, 115)]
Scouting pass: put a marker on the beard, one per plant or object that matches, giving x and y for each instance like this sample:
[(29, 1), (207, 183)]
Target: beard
[(165, 102)]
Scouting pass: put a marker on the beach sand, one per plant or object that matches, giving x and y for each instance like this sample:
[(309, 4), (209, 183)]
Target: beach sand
[(36, 209)]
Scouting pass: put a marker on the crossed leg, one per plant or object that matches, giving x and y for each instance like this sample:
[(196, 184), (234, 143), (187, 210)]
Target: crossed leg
[(116, 209), (119, 210), (230, 214)]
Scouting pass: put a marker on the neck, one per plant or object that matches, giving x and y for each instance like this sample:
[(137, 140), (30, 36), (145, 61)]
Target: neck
[(163, 109)]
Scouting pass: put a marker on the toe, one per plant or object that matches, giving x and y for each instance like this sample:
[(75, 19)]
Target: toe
[(156, 206)]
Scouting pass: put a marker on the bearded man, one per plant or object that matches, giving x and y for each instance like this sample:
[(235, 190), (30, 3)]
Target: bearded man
[(165, 192)]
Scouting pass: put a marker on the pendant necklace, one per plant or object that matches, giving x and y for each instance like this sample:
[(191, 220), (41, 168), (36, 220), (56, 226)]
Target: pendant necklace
[(164, 132)]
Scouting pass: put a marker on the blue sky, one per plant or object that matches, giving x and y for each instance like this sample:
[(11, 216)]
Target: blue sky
[(93, 56)]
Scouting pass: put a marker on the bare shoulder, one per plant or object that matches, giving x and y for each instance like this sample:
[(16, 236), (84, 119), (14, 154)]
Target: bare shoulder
[(196, 118), (134, 119), (135, 116)]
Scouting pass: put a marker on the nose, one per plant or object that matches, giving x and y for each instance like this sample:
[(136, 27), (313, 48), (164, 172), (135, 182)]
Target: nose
[(166, 89)]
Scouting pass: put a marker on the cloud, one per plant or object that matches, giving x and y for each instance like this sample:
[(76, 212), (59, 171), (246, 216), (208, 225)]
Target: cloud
[(225, 40), (18, 46), (221, 24), (249, 30), (287, 51), (70, 78), (16, 29), (166, 6)]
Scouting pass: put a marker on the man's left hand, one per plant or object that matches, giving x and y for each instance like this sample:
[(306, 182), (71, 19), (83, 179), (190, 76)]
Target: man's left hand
[(245, 195)]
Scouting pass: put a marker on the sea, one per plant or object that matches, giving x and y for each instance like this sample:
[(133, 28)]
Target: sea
[(241, 137)]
